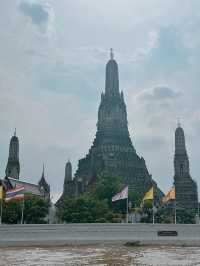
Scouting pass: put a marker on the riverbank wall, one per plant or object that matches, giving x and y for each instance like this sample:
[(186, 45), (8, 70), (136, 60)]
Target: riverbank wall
[(86, 234)]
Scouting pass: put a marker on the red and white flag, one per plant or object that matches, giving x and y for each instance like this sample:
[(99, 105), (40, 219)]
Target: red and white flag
[(121, 195)]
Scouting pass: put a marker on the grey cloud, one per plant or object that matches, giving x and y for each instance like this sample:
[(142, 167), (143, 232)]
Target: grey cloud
[(37, 12), (164, 92), (159, 94)]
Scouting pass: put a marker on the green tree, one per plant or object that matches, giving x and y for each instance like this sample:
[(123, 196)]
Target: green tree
[(148, 212), (184, 217), (11, 213), (35, 210), (85, 209), (105, 187), (96, 204), (165, 215)]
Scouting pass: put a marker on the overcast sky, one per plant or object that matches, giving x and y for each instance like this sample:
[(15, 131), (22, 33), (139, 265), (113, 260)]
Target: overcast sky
[(52, 71)]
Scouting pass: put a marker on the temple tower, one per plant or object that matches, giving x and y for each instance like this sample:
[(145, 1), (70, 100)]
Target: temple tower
[(13, 165), (186, 187), (112, 151), (69, 187), (68, 177), (68, 171)]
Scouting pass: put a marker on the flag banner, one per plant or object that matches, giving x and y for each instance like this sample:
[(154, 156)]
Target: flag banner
[(15, 194), (1, 192), (149, 195), (121, 195), (169, 196)]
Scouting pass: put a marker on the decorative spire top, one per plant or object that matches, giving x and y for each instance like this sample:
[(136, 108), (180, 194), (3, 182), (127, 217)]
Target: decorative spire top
[(68, 171), (180, 140), (112, 77), (43, 170), (15, 132), (111, 54), (178, 122)]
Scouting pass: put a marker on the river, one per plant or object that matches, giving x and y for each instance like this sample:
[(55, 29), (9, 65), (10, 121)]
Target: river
[(100, 256)]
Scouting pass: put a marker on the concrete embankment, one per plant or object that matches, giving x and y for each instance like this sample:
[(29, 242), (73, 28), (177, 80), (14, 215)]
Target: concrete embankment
[(77, 234)]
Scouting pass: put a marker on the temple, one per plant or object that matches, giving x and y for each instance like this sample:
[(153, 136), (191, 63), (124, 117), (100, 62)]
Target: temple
[(12, 174), (112, 151), (186, 187), (44, 187)]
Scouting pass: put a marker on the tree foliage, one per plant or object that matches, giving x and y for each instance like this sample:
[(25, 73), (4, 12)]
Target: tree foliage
[(95, 205), (35, 210), (167, 215), (147, 211), (185, 217), (105, 187), (86, 209), (11, 213)]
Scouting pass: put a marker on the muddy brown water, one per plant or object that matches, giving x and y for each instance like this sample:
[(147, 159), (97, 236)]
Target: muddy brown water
[(100, 256)]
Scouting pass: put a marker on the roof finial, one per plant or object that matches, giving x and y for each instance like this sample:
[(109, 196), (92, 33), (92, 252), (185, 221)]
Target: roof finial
[(43, 170), (15, 132), (111, 54), (178, 122)]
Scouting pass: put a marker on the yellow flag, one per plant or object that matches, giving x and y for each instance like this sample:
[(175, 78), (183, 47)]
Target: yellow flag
[(149, 195), (169, 196), (1, 192)]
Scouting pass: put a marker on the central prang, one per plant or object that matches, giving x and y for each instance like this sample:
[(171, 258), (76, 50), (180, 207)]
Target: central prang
[(112, 151)]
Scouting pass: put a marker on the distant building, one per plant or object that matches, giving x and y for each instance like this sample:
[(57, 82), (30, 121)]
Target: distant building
[(12, 178), (112, 151), (43, 186), (29, 188), (185, 186)]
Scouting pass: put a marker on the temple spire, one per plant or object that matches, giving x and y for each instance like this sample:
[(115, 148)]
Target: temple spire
[(68, 171), (112, 77), (43, 170), (13, 165), (180, 147), (178, 122), (185, 187), (111, 54)]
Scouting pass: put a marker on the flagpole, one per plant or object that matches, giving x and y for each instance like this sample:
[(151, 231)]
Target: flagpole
[(153, 211), (197, 214), (1, 187), (153, 207), (1, 210), (22, 218), (175, 211), (127, 210)]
